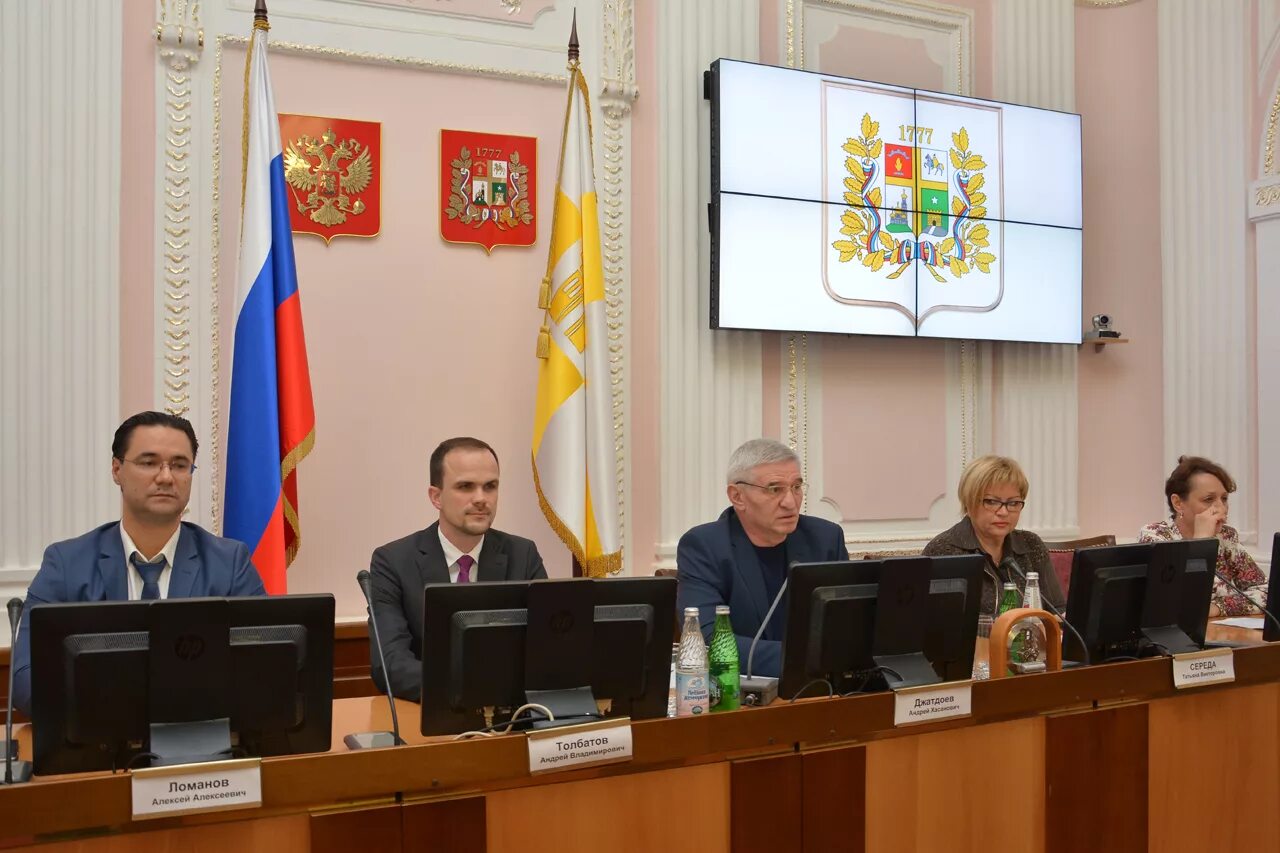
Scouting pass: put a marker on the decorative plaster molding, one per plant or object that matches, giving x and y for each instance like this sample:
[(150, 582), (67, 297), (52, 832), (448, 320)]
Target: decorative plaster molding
[(180, 41), (617, 93), (1264, 198), (912, 17)]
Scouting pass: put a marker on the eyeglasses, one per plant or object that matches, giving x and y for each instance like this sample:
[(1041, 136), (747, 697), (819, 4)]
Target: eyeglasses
[(151, 467), (994, 504), (775, 490)]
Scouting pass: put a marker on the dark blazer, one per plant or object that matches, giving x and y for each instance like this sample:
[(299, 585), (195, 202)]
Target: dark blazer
[(1023, 547), (92, 567), (717, 564), (401, 569)]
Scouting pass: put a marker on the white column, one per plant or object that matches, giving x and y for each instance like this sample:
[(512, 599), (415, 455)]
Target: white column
[(711, 381), (1264, 209), (1204, 91), (59, 275), (617, 93), (1036, 403)]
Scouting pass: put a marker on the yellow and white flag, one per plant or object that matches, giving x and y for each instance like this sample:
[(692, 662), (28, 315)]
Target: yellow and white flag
[(573, 449)]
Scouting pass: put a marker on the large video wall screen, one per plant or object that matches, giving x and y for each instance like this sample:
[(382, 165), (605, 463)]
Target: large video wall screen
[(853, 207)]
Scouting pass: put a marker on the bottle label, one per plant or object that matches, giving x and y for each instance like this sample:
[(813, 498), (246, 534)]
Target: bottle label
[(692, 694), (724, 688)]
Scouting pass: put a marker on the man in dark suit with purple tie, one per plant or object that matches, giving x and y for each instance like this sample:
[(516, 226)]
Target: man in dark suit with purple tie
[(462, 547)]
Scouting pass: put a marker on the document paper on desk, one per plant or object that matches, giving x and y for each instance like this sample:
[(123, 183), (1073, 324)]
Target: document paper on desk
[(1253, 623)]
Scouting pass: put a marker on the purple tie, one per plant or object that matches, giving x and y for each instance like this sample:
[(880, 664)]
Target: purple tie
[(465, 562)]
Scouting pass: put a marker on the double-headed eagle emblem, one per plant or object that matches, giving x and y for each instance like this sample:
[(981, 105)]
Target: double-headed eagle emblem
[(314, 166)]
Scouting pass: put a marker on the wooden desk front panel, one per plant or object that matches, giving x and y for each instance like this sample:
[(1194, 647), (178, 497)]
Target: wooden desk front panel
[(1215, 771)]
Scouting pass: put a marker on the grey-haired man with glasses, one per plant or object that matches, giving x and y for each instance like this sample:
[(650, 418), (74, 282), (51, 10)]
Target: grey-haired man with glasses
[(150, 553), (741, 558)]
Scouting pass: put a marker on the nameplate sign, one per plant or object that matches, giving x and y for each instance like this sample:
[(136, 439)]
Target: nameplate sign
[(1211, 666), (190, 788), (932, 702), (572, 747)]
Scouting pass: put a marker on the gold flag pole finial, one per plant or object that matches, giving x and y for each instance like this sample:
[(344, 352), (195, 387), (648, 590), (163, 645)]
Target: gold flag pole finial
[(260, 15), (573, 39)]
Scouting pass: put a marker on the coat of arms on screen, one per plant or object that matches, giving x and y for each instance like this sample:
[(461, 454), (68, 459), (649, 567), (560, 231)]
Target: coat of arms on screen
[(908, 202), (331, 166), (488, 189)]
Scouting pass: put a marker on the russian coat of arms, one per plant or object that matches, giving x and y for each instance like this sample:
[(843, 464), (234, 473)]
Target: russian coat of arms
[(331, 168), (488, 189)]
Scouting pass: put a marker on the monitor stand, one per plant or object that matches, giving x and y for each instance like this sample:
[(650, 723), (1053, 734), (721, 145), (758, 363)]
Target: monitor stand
[(1166, 571), (1172, 639), (902, 602), (909, 670), (559, 650), (572, 705), (190, 743)]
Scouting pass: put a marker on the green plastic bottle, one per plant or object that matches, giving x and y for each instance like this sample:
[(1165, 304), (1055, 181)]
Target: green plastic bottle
[(724, 664)]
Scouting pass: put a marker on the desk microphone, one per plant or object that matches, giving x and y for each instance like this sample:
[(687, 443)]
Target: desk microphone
[(366, 740), (1011, 563), (760, 690), (1265, 612), (14, 771)]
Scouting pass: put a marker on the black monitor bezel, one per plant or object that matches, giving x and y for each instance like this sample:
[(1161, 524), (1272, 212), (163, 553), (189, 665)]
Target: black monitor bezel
[(441, 601), (805, 579), (1131, 562), (52, 624)]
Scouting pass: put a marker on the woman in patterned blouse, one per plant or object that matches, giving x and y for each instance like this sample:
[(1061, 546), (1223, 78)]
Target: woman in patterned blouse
[(1197, 492)]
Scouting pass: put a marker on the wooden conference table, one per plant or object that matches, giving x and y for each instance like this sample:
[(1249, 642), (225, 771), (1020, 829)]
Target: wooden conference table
[(1107, 758)]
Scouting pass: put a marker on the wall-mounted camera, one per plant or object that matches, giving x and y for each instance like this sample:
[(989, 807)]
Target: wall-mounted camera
[(1101, 328)]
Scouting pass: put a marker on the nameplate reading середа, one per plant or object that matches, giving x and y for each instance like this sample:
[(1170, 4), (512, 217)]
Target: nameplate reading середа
[(1210, 666)]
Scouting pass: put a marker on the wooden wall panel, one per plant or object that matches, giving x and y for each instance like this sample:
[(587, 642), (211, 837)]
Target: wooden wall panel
[(835, 799), (445, 826), (358, 829), (1215, 771), (970, 790), (767, 796), (682, 809), (290, 834), (1096, 781)]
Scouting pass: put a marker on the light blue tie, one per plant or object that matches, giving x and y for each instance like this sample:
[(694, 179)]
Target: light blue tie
[(150, 575)]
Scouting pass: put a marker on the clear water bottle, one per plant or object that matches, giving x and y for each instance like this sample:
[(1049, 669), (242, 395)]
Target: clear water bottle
[(724, 681), (1028, 638), (692, 691)]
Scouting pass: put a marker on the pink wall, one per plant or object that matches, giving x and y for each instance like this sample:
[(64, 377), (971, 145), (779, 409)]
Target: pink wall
[(1122, 469), (137, 205), (411, 340)]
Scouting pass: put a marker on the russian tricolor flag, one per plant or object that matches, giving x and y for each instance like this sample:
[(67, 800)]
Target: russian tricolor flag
[(272, 419)]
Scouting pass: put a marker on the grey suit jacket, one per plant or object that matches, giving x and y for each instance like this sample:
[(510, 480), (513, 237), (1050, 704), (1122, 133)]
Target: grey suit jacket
[(399, 570)]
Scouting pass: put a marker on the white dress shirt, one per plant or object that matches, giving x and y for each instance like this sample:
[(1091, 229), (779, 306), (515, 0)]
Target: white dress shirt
[(135, 578), (451, 555)]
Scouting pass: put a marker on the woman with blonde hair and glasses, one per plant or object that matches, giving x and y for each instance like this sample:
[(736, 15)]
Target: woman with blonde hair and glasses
[(1197, 493), (992, 492)]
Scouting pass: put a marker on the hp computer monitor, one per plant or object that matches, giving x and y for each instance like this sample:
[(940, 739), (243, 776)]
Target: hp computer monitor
[(1130, 601), (867, 624), (570, 645), (122, 684)]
